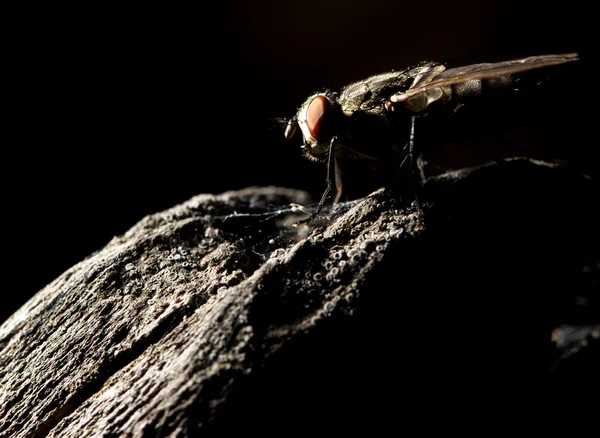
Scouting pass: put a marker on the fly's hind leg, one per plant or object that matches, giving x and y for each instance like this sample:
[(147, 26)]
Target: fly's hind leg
[(488, 155), (421, 166), (478, 143), (417, 164)]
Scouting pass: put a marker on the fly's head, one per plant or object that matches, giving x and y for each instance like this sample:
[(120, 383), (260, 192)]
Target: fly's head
[(318, 119)]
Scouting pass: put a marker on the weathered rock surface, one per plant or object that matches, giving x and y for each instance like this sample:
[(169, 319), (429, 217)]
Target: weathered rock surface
[(219, 315)]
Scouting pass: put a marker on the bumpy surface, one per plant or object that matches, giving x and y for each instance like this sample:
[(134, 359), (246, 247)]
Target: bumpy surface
[(221, 315)]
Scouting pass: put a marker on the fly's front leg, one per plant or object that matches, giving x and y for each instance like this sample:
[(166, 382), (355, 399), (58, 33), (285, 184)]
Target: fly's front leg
[(333, 179), (338, 180)]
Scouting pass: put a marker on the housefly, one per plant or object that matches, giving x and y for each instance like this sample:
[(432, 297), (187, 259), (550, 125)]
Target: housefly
[(376, 118)]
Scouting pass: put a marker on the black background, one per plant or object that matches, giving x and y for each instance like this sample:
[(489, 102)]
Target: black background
[(117, 113)]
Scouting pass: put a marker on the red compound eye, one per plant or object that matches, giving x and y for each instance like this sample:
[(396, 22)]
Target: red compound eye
[(314, 115)]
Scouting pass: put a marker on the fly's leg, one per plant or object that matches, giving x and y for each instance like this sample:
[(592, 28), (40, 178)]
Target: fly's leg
[(416, 157), (416, 163), (332, 181), (478, 143), (485, 153), (338, 181)]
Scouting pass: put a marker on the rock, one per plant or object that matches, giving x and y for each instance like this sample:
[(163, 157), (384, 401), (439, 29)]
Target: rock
[(219, 315)]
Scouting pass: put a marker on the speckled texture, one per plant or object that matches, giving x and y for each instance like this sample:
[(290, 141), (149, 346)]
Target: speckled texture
[(220, 315)]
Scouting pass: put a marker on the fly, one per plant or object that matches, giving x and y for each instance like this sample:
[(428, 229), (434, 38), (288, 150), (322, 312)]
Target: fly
[(376, 118)]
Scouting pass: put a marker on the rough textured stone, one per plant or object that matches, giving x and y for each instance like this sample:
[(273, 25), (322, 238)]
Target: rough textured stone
[(219, 315)]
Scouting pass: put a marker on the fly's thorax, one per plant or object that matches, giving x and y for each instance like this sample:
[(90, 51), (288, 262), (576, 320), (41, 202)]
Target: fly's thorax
[(318, 119)]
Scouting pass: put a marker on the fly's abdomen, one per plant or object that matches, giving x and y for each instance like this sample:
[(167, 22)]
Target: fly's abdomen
[(481, 88)]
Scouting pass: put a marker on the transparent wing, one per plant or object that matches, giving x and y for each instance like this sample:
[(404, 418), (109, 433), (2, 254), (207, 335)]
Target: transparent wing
[(484, 71)]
